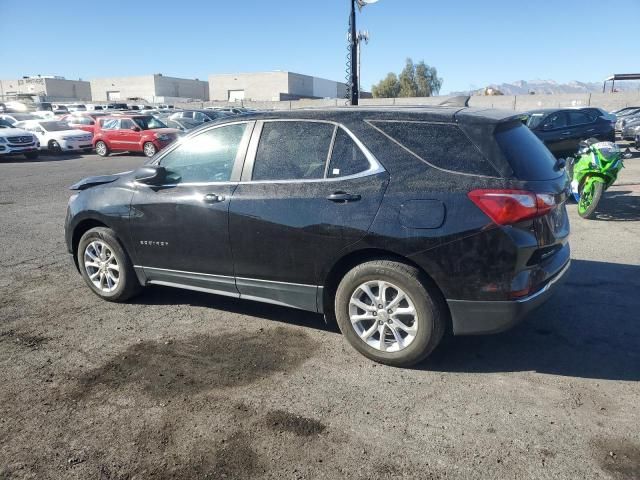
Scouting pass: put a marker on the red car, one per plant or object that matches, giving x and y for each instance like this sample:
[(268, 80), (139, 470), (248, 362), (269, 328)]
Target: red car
[(132, 133), (83, 120)]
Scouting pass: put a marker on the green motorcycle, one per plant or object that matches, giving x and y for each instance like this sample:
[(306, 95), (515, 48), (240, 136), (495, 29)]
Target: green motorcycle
[(593, 172)]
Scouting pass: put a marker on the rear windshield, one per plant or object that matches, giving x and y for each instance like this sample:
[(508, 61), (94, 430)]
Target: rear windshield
[(442, 145), (528, 156)]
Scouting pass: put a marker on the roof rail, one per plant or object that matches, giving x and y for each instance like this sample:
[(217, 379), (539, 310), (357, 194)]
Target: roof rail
[(459, 101)]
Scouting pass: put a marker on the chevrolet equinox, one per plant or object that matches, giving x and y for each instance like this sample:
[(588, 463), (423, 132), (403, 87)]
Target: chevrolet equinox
[(403, 224)]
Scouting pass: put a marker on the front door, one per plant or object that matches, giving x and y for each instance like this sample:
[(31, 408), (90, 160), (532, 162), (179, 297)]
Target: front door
[(308, 192), (180, 230), (129, 136)]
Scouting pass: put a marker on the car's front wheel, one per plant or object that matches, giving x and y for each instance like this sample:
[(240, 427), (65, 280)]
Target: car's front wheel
[(102, 149), (149, 149), (105, 266), (54, 147), (387, 312)]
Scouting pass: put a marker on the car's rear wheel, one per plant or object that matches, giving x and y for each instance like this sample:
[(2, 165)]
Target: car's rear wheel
[(149, 149), (31, 155), (102, 149), (105, 266), (389, 313), (54, 147)]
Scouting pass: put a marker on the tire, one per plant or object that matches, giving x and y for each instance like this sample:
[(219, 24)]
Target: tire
[(87, 150), (598, 188), (54, 147), (31, 155), (102, 149), (149, 149), (428, 305), (119, 285)]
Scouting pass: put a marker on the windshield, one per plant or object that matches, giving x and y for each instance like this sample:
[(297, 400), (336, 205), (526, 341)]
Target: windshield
[(55, 126), (148, 123), (534, 119), (608, 150), (23, 116)]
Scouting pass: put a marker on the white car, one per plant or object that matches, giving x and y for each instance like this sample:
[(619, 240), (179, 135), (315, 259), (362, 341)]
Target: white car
[(57, 136), (15, 141)]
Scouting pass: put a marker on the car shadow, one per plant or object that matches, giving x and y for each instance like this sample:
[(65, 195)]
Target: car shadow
[(588, 329), (158, 295), (43, 157), (618, 206)]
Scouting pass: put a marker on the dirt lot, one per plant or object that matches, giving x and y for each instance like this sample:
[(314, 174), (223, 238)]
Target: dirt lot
[(178, 384)]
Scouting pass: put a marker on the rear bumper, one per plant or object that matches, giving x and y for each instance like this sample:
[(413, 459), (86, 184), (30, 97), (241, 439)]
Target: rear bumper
[(470, 317)]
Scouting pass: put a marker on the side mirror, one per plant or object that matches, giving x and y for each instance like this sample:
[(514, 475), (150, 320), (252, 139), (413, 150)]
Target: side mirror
[(135, 129), (547, 126), (627, 153), (151, 175)]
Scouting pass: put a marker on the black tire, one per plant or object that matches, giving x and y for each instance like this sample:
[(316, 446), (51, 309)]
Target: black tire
[(570, 161), (598, 188), (149, 149), (102, 149), (87, 150), (31, 155), (431, 313), (128, 284), (54, 147)]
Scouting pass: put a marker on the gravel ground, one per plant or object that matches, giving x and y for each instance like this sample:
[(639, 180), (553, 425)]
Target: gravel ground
[(178, 384)]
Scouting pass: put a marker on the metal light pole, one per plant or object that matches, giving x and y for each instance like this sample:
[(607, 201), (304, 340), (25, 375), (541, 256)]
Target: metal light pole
[(354, 55), (353, 39), (362, 36)]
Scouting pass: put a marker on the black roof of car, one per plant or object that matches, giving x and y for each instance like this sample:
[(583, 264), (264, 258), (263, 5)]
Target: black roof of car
[(427, 113)]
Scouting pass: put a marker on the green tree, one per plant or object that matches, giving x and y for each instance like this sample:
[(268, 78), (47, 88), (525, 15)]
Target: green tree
[(415, 80), (389, 87)]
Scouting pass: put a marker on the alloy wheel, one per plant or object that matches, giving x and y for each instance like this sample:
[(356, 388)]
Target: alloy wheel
[(102, 266), (101, 149), (149, 149), (383, 316)]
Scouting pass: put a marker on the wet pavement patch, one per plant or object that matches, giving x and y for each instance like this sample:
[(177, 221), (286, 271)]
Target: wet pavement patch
[(619, 458), (23, 339), (279, 420), (199, 363)]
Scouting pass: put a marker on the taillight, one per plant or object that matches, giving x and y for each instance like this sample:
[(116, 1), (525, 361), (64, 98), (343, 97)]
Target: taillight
[(506, 207)]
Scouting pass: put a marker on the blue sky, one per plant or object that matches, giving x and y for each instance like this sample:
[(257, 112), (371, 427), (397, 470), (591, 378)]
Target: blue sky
[(472, 43)]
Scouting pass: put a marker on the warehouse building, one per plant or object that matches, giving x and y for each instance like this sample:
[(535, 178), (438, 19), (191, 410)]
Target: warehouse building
[(272, 86), (153, 88), (46, 88)]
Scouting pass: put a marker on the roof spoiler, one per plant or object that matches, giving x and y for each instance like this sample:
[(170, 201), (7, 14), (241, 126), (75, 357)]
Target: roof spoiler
[(459, 101)]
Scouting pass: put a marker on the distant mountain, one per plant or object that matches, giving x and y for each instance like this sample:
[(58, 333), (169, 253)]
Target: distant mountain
[(542, 87)]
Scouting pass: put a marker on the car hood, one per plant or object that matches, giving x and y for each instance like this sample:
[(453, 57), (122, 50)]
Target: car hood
[(161, 131), (13, 132), (66, 133), (97, 180)]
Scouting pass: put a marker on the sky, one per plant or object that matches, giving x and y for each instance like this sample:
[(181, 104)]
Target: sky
[(472, 43)]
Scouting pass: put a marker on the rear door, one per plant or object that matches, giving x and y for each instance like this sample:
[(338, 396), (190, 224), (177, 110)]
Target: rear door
[(109, 130), (310, 189), (582, 126)]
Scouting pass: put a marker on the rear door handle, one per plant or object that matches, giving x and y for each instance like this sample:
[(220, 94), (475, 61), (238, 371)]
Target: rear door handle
[(343, 197), (213, 198)]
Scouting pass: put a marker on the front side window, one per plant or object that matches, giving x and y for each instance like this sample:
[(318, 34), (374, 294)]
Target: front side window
[(207, 157), (149, 123), (556, 120), (292, 150), (346, 157)]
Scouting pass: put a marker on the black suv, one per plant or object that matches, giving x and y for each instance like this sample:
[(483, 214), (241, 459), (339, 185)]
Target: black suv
[(402, 224), (563, 130)]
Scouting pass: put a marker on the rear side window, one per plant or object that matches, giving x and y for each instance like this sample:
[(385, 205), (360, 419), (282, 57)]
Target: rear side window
[(530, 159), (442, 145), (111, 124), (346, 158), (292, 151)]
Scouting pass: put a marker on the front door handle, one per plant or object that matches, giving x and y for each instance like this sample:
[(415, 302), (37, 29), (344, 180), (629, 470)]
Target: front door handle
[(343, 197), (213, 198)]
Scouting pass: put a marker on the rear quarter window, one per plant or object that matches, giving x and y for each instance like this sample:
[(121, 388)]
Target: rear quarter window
[(529, 158), (442, 145)]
